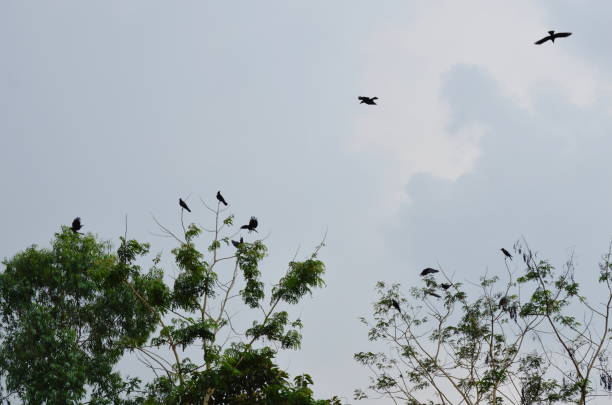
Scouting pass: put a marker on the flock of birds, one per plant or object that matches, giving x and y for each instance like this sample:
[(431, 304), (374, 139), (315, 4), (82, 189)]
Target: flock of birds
[(552, 35), (251, 226)]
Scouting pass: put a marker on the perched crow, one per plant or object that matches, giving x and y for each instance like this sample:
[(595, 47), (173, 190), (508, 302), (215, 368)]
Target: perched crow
[(446, 286), (237, 244), (367, 100), (428, 270), (76, 225), (183, 204), (220, 198), (552, 36), (506, 253), (252, 225), (432, 293), (396, 305), (503, 303)]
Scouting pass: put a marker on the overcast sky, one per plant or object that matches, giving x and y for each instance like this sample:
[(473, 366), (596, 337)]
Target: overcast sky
[(480, 137)]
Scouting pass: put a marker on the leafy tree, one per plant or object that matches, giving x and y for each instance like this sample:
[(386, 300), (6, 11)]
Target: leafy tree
[(68, 314), (235, 363), (508, 344)]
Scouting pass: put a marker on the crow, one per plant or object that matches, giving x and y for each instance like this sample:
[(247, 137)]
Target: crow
[(220, 198), (183, 204), (506, 253), (237, 244), (367, 100), (432, 293), (503, 303), (429, 270), (446, 286), (396, 305), (76, 225), (552, 36), (252, 225)]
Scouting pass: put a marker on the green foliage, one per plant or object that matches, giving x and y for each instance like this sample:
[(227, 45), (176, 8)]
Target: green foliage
[(68, 315)]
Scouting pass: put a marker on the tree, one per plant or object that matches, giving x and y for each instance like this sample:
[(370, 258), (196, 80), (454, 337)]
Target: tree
[(509, 344), (233, 367), (68, 314)]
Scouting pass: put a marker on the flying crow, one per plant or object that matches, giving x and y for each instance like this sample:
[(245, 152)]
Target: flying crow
[(183, 205), (552, 36), (76, 225), (506, 253), (428, 270), (237, 244), (396, 305), (252, 225), (220, 198), (368, 100)]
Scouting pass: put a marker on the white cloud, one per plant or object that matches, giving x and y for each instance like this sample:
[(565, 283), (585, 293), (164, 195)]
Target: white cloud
[(406, 67)]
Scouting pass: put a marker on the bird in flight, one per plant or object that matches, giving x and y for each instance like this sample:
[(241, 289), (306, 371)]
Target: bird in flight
[(237, 244), (428, 270), (506, 253), (396, 305), (367, 100), (220, 198), (183, 205), (252, 225), (552, 36), (76, 225)]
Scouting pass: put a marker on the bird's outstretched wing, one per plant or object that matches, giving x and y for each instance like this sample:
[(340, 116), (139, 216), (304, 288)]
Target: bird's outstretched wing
[(541, 41), (563, 34)]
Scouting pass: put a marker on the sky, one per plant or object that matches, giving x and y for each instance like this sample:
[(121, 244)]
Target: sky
[(479, 137)]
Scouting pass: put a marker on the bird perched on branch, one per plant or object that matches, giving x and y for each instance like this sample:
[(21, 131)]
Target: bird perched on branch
[(237, 244), (183, 205), (429, 270), (506, 253), (368, 100), (220, 198), (76, 225), (428, 292), (251, 225), (552, 36), (446, 286), (396, 305), (503, 303)]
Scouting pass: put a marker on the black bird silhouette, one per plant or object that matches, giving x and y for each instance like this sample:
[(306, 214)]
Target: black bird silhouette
[(446, 286), (552, 36), (503, 303), (506, 253), (183, 204), (428, 270), (252, 225), (367, 100), (396, 305), (220, 198), (76, 225), (237, 244), (432, 293)]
